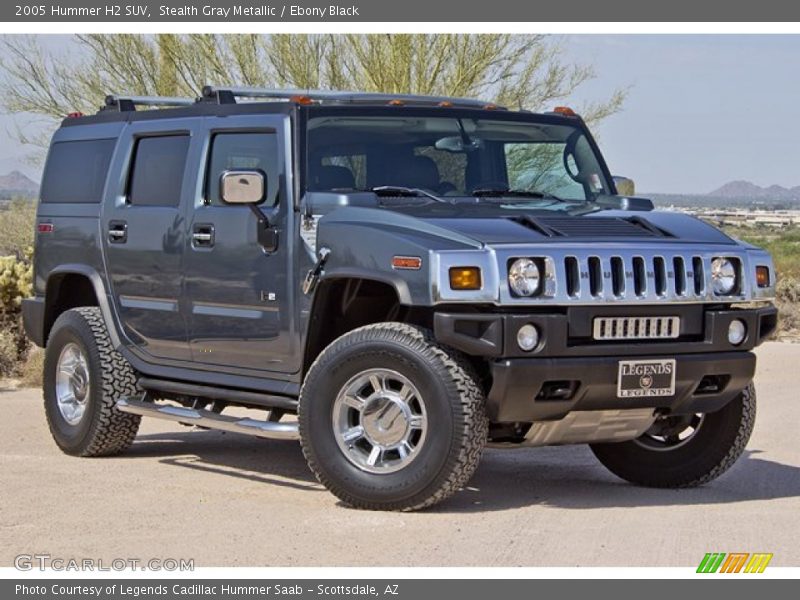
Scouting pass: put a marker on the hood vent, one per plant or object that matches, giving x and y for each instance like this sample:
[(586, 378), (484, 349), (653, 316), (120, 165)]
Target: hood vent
[(591, 227)]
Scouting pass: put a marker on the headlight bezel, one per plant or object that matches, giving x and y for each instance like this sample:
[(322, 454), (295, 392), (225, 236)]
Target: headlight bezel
[(520, 270), (725, 276)]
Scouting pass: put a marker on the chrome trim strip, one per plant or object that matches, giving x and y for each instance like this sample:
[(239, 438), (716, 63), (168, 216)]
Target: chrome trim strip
[(144, 303)]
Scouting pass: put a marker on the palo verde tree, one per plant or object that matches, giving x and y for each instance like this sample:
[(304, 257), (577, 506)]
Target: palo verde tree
[(520, 71)]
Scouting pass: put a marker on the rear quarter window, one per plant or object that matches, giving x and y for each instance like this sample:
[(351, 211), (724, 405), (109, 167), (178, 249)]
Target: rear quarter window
[(76, 171)]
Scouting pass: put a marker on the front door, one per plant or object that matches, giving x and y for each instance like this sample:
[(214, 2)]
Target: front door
[(236, 291)]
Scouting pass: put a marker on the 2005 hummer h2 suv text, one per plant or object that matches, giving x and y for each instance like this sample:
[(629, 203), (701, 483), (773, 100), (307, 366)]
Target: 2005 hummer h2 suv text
[(412, 277)]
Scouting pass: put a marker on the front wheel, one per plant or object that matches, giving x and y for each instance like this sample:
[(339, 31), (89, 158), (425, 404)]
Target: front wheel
[(684, 450), (390, 420)]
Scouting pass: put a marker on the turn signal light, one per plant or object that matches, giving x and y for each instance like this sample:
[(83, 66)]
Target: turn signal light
[(407, 262), (762, 277), (305, 100), (396, 102), (465, 278)]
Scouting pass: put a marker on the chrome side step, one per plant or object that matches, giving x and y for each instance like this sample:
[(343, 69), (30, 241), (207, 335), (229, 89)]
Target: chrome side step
[(211, 420)]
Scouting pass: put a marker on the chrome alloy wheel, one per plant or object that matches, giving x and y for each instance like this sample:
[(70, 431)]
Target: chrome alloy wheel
[(670, 432), (72, 383), (379, 421)]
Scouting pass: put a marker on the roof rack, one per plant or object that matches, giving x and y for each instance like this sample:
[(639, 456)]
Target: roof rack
[(117, 103), (228, 95)]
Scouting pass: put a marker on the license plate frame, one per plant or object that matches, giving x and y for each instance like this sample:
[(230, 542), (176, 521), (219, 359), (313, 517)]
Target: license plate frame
[(646, 378)]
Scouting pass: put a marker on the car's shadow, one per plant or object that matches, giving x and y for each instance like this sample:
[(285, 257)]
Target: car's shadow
[(565, 477)]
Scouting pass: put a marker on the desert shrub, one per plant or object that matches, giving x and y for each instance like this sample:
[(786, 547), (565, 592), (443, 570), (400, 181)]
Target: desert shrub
[(16, 228), (15, 284), (31, 371), (8, 353), (788, 290)]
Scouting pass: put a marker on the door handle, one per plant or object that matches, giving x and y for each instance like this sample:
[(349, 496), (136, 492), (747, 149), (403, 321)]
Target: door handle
[(203, 235), (117, 232)]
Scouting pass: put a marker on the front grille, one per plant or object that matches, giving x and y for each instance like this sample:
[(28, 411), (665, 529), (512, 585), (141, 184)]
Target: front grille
[(620, 277), (636, 328)]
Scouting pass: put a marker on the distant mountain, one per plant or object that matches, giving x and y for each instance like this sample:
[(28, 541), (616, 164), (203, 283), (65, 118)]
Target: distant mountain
[(747, 189), (18, 184)]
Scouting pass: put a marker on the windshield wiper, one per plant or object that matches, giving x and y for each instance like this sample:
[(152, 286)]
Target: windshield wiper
[(399, 190), (510, 193)]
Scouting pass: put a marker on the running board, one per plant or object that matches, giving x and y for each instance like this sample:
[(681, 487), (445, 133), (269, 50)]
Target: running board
[(210, 420)]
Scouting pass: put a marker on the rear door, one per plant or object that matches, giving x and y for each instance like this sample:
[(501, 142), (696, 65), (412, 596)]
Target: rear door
[(144, 234), (239, 294)]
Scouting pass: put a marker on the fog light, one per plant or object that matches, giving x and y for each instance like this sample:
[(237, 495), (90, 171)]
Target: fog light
[(737, 331), (528, 337)]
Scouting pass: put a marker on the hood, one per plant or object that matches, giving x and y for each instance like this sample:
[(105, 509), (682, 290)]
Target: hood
[(603, 227)]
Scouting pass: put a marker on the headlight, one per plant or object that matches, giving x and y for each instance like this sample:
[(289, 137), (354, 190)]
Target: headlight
[(524, 277), (723, 276)]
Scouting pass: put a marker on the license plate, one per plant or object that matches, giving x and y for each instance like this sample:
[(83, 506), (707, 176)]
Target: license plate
[(646, 378)]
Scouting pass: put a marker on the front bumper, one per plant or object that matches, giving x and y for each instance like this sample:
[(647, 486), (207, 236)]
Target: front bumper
[(569, 371), (519, 386)]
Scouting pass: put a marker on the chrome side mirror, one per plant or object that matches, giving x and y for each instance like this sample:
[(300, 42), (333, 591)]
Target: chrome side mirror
[(243, 187), (625, 186)]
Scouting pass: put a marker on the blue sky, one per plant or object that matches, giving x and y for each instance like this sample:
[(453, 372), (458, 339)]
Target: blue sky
[(702, 110)]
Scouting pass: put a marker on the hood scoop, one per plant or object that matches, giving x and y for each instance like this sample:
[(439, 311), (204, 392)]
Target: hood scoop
[(592, 227)]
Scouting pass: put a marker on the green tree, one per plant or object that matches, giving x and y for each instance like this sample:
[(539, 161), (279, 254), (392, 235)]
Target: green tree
[(520, 71)]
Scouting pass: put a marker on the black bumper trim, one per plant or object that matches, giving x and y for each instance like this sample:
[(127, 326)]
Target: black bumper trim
[(517, 382), (493, 335)]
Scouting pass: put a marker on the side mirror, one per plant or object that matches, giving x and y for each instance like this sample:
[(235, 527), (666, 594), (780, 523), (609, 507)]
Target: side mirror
[(625, 186), (243, 187)]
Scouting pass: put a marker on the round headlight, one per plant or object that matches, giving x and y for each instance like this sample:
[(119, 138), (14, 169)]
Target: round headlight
[(524, 277), (723, 276)]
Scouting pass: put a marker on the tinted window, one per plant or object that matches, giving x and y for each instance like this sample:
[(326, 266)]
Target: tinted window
[(76, 171), (232, 151), (158, 166)]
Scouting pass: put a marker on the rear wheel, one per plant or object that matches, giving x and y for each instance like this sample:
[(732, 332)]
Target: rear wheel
[(83, 379), (684, 450), (390, 420)]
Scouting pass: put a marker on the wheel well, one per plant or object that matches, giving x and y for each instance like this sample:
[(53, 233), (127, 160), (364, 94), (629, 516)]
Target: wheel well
[(66, 291), (341, 305)]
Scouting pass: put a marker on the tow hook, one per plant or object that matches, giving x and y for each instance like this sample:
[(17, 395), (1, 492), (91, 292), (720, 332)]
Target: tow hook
[(313, 275)]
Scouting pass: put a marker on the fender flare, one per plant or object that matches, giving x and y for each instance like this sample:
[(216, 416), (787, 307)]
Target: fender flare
[(99, 291)]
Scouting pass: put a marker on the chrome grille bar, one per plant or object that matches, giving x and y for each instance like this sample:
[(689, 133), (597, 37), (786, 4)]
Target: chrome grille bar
[(636, 328)]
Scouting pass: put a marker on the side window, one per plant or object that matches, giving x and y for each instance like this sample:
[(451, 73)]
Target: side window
[(76, 171), (232, 151), (157, 172)]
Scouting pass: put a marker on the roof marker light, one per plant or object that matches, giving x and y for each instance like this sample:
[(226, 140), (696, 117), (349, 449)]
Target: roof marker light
[(565, 110)]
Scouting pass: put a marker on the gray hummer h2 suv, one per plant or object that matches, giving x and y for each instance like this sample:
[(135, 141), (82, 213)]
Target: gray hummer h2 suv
[(412, 277)]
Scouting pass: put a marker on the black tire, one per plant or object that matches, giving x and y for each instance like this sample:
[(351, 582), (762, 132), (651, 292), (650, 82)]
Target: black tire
[(456, 418), (102, 430), (716, 445)]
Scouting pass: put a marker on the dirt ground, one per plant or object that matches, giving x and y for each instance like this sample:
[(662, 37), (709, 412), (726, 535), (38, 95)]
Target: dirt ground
[(228, 500)]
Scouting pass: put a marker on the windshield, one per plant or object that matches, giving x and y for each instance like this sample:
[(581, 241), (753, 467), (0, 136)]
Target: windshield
[(452, 156)]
